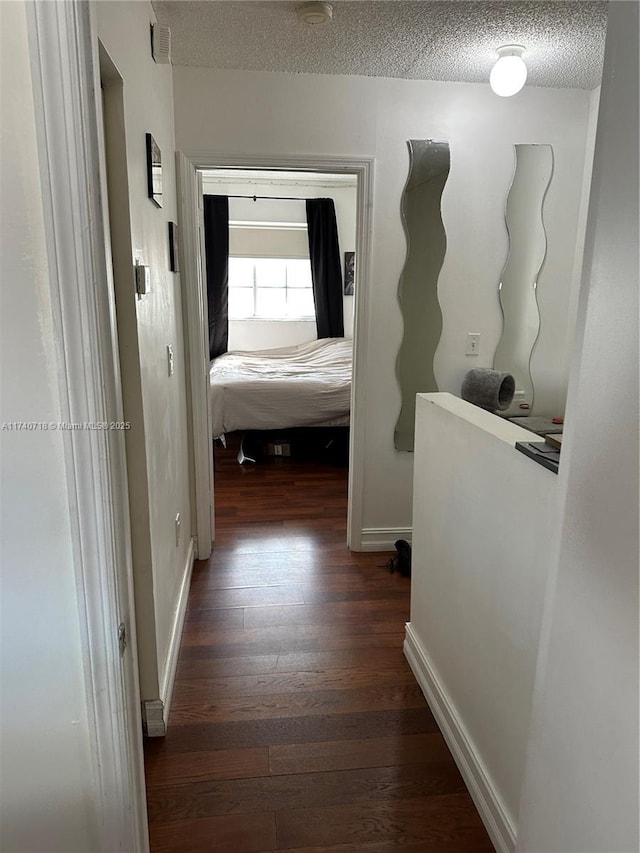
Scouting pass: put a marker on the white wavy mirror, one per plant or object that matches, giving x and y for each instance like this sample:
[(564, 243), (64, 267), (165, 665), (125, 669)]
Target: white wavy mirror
[(418, 289), (519, 279)]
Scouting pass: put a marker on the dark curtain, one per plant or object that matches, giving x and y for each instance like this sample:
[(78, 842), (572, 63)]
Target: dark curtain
[(216, 244), (326, 269)]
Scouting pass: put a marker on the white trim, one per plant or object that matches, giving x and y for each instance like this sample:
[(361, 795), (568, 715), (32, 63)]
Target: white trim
[(382, 538), (171, 663), (492, 810), (257, 225), (309, 320), (64, 67), (362, 298), (362, 168), (155, 712), (250, 177), (197, 353)]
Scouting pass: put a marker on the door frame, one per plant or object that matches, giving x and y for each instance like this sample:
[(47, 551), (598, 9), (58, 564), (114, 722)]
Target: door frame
[(66, 86), (189, 164), (196, 346)]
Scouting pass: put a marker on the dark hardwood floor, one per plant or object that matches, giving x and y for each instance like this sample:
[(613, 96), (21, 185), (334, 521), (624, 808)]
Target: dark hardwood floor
[(296, 723)]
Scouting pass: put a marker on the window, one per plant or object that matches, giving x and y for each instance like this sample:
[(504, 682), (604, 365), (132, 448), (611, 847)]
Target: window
[(270, 289)]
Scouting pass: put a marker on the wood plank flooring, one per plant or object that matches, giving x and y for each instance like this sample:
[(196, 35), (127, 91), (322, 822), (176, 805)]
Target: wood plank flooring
[(296, 724)]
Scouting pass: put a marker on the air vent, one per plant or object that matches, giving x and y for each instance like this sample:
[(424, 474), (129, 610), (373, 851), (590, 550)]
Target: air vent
[(161, 43)]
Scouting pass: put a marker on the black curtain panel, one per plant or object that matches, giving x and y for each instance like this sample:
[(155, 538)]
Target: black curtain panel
[(326, 269), (216, 243)]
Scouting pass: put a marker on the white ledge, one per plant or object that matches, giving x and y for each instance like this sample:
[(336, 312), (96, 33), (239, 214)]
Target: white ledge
[(499, 427)]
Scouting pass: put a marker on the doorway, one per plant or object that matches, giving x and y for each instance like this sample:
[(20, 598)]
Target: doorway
[(114, 186), (190, 169), (299, 408)]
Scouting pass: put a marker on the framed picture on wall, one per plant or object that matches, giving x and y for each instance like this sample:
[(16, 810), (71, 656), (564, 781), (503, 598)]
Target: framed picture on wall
[(154, 170), (173, 247), (349, 273)]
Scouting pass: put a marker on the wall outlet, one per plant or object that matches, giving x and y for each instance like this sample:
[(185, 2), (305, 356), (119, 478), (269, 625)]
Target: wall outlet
[(170, 365), (473, 343), (178, 523)]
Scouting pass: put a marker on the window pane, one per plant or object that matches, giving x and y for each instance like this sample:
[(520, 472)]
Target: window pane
[(273, 299), (270, 272), (300, 303), (299, 273), (271, 302), (240, 302), (240, 272)]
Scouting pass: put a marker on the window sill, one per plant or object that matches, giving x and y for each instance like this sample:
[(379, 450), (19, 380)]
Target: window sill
[(273, 320)]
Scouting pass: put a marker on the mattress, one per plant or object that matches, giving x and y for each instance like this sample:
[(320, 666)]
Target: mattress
[(304, 385)]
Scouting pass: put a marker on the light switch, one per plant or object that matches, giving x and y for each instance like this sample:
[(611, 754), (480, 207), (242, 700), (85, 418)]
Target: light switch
[(473, 343)]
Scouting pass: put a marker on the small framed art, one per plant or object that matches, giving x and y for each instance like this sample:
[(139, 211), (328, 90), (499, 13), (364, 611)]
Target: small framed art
[(173, 247), (154, 170), (349, 273)]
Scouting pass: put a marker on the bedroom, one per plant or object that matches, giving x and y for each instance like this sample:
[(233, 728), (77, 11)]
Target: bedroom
[(264, 298)]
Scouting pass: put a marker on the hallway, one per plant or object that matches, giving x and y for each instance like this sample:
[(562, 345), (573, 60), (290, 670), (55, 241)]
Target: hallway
[(296, 723)]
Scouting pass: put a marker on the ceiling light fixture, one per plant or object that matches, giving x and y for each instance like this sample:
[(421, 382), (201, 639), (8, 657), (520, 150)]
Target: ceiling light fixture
[(315, 13), (509, 74)]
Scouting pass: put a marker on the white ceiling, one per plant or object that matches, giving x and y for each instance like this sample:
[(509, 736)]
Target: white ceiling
[(424, 40)]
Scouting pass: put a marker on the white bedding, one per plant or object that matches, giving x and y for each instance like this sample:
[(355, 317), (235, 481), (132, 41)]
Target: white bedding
[(304, 385)]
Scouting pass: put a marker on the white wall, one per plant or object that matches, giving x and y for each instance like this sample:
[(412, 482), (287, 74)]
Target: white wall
[(270, 334), (277, 114), (123, 29), (482, 513), (46, 784), (570, 332), (581, 789), (260, 334)]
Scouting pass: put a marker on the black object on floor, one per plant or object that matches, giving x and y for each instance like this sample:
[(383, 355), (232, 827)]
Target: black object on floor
[(324, 445), (401, 561)]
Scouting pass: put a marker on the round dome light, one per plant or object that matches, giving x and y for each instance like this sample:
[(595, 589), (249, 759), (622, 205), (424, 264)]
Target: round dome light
[(509, 74), (315, 13)]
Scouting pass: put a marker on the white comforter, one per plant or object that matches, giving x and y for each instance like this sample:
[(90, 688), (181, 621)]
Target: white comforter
[(305, 385)]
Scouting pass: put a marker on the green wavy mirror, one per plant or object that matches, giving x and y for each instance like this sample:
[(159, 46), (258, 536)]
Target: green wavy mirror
[(519, 279), (429, 162)]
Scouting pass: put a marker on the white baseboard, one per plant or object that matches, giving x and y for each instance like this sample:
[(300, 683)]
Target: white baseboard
[(493, 812), (155, 712), (171, 663), (382, 538)]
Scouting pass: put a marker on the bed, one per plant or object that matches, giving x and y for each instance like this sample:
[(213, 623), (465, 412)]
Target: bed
[(304, 385)]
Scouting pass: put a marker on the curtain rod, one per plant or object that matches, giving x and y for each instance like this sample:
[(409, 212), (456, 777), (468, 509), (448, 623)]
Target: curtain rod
[(270, 197)]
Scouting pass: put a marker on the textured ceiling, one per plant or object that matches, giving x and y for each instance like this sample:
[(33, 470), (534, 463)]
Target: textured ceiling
[(425, 40)]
